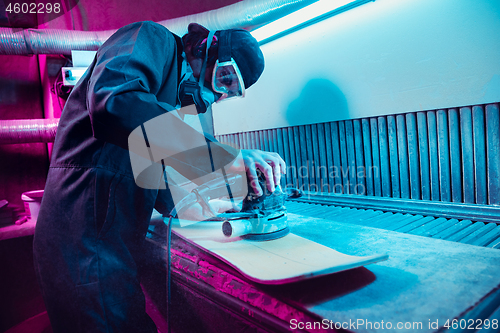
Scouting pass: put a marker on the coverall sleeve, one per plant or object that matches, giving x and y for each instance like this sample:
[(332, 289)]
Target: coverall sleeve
[(131, 67)]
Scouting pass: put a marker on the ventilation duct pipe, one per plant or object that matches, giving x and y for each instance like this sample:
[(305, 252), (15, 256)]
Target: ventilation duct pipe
[(28, 130), (245, 14)]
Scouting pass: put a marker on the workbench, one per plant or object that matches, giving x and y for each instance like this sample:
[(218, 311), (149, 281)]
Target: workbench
[(425, 284), (15, 231)]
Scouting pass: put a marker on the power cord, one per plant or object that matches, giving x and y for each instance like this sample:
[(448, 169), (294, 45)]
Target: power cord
[(169, 296), (172, 214)]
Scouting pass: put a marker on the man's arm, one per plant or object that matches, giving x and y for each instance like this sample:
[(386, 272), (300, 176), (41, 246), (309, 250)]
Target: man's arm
[(131, 68)]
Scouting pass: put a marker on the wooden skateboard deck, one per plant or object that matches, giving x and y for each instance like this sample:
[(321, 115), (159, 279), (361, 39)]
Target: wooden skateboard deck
[(287, 259)]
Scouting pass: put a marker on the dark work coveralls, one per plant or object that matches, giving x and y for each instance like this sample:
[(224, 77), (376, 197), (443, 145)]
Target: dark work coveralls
[(93, 219)]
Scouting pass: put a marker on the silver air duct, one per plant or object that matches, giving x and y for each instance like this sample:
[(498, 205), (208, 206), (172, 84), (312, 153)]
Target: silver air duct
[(28, 130), (246, 14)]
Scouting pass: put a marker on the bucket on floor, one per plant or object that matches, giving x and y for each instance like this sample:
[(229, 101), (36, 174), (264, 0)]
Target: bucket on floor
[(32, 200)]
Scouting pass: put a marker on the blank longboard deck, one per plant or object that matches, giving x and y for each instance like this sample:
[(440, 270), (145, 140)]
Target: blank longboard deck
[(287, 259)]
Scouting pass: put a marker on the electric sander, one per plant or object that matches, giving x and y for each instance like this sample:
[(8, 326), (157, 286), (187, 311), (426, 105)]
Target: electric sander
[(261, 217)]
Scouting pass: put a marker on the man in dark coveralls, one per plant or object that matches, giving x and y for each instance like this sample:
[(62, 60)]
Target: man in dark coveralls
[(94, 217)]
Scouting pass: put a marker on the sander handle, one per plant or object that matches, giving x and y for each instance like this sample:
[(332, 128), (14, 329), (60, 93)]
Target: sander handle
[(215, 188)]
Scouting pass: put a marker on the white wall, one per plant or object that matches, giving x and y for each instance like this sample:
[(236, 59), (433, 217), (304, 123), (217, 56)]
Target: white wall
[(384, 57)]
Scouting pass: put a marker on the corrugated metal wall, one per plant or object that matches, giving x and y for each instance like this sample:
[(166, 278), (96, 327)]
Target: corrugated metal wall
[(450, 155)]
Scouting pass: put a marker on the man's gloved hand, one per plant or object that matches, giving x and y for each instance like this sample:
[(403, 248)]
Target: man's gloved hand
[(196, 213), (270, 164)]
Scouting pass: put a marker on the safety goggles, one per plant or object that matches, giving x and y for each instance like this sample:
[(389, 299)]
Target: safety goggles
[(227, 80)]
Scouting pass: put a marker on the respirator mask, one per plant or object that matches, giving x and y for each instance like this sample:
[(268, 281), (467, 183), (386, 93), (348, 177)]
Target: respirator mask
[(192, 90)]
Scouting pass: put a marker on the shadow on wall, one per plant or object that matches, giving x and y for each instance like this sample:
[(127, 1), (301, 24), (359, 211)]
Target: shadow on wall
[(320, 101)]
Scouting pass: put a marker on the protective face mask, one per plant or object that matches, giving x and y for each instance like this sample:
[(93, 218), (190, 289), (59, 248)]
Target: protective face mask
[(190, 91), (208, 96)]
